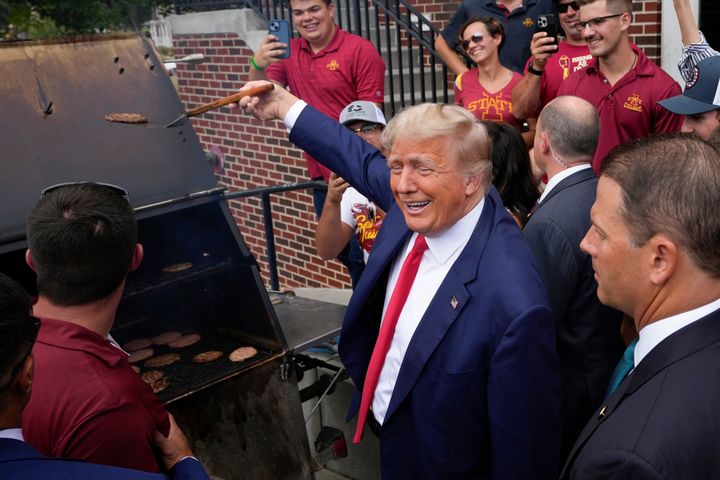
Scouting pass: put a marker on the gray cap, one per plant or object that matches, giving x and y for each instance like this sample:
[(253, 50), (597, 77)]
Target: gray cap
[(362, 111)]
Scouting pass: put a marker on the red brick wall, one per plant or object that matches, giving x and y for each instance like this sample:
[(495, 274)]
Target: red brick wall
[(257, 154)]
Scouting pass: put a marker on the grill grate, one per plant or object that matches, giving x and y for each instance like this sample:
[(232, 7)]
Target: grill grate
[(185, 376), (147, 282)]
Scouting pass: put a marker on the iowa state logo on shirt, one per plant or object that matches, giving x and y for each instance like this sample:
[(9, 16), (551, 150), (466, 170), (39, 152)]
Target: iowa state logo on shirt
[(634, 103), (333, 65), (528, 22)]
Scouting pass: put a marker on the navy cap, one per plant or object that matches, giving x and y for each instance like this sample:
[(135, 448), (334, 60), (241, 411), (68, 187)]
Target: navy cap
[(702, 92)]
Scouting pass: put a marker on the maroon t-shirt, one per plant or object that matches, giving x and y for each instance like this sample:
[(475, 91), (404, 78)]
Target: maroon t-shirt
[(87, 403), (349, 68), (629, 109), (561, 64)]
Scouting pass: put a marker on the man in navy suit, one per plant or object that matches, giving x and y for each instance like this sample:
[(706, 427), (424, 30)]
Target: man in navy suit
[(20, 461), (588, 332), (656, 255), (468, 386)]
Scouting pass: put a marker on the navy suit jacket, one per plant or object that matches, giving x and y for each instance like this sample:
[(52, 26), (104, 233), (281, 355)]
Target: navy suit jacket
[(588, 332), (663, 421), (20, 461), (477, 395)]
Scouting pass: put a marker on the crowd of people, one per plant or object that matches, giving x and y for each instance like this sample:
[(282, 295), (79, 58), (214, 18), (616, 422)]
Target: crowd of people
[(537, 268)]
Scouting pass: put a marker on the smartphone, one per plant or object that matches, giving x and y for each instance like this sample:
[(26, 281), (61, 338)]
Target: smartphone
[(281, 29), (547, 24)]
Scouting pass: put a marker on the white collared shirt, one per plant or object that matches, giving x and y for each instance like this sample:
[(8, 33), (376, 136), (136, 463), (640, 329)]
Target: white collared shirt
[(436, 262), (559, 177), (651, 335), (12, 433)]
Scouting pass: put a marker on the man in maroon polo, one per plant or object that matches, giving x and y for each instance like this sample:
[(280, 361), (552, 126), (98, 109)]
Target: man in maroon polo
[(620, 80), (328, 68)]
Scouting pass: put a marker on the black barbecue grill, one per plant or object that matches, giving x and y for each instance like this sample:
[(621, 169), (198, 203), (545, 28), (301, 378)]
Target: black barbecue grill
[(244, 419)]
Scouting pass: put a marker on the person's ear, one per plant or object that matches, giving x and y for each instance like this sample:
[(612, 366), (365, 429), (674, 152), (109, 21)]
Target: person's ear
[(29, 260), (137, 257), (663, 258), (25, 376), (473, 182)]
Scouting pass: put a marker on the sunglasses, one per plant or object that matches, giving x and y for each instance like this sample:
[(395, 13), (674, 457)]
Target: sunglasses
[(33, 327), (563, 7), (365, 129), (597, 21), (114, 188), (476, 38)]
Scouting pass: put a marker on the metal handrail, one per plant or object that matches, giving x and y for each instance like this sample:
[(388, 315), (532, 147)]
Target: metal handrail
[(264, 193), (409, 51)]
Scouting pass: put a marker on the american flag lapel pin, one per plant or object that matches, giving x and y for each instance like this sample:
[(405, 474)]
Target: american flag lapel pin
[(454, 302)]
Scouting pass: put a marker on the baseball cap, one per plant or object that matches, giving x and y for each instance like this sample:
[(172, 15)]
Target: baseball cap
[(362, 111), (702, 92)]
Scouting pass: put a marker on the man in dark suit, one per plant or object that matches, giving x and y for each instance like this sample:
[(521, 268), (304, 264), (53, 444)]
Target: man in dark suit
[(588, 333), (656, 255), (20, 461), (466, 384)]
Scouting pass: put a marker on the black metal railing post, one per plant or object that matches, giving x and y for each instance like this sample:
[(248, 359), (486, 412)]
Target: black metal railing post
[(270, 239)]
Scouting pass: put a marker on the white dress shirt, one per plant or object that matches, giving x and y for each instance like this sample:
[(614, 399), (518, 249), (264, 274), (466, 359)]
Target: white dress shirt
[(559, 177), (12, 433), (651, 335), (436, 262)]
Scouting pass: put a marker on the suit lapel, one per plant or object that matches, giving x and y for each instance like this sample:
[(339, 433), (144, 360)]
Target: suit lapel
[(574, 179), (449, 301), (686, 341)]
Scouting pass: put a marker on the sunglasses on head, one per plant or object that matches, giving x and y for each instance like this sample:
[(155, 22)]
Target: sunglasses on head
[(114, 188), (476, 38), (563, 7)]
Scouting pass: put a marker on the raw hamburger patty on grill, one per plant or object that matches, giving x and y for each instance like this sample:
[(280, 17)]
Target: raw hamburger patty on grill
[(162, 360), (177, 267), (152, 376), (140, 355), (184, 341), (126, 117), (166, 337), (136, 344), (205, 357), (242, 353)]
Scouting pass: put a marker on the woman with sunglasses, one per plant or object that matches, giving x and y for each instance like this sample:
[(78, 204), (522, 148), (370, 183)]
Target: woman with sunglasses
[(486, 90)]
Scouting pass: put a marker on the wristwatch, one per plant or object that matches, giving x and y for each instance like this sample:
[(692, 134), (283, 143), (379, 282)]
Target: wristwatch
[(534, 71)]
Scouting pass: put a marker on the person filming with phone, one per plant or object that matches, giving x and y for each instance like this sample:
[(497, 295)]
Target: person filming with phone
[(553, 60), (329, 69)]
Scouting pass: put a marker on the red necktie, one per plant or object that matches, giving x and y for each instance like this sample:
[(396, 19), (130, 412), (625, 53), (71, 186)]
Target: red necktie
[(387, 330)]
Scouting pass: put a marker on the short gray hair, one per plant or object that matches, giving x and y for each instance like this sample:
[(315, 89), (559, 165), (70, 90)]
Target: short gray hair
[(470, 144), (671, 185), (572, 125)]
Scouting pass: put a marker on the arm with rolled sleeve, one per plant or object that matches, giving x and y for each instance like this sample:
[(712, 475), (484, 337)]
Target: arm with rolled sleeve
[(524, 399)]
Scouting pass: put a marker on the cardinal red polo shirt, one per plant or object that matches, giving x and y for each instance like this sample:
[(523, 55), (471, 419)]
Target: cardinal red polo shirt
[(87, 403), (629, 109), (349, 68)]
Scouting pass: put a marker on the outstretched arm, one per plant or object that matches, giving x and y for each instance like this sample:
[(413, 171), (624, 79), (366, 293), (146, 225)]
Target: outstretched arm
[(695, 47), (526, 94), (449, 56)]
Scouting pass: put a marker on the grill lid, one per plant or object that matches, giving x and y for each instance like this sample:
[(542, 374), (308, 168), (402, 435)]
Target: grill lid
[(55, 96)]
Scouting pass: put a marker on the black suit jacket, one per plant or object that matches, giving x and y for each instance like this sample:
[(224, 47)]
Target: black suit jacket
[(588, 333), (663, 422)]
